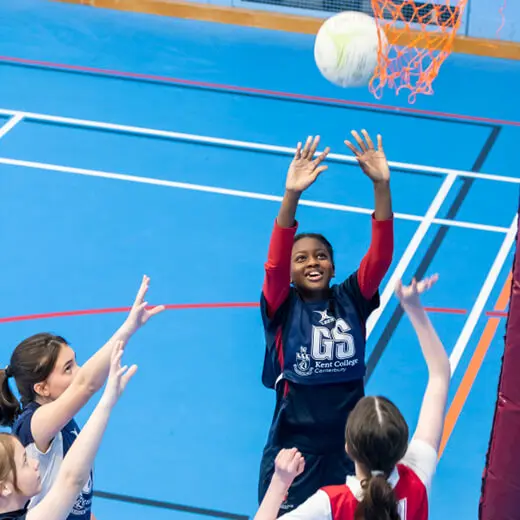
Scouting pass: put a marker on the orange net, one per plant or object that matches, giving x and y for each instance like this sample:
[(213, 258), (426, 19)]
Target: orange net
[(420, 38)]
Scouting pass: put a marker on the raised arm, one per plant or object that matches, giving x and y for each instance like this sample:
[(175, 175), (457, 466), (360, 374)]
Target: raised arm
[(431, 417), (75, 469), (374, 165), (303, 171), (288, 465), (49, 419)]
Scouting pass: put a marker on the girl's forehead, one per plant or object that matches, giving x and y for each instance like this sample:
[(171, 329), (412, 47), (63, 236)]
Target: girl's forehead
[(308, 244)]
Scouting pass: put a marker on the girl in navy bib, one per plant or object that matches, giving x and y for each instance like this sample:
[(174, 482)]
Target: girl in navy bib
[(53, 389), (315, 331), (21, 475), (393, 475)]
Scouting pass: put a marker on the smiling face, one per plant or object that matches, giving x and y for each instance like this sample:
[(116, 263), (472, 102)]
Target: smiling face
[(312, 267)]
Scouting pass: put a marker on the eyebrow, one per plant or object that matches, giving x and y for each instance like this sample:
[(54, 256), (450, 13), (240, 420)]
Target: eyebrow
[(305, 251), (69, 362)]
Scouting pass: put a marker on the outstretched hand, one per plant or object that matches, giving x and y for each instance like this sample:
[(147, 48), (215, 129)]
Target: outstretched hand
[(409, 294), (140, 313), (304, 168), (372, 161), (118, 376)]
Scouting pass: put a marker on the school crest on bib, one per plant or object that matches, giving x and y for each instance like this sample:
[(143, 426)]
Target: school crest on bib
[(303, 363)]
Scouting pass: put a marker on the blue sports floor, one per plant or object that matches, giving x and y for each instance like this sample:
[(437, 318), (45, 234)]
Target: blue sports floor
[(87, 210)]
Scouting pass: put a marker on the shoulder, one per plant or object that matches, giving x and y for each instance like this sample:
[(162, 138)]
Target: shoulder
[(316, 507), (22, 425), (70, 432), (350, 287), (343, 498), (281, 313), (350, 290), (421, 460)]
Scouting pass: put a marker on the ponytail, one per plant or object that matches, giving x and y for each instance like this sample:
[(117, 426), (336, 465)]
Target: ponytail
[(32, 362), (377, 439), (9, 405), (379, 500)]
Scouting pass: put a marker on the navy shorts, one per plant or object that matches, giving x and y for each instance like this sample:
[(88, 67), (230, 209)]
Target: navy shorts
[(320, 470)]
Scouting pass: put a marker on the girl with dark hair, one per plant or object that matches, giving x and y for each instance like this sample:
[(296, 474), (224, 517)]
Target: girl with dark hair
[(392, 477), (20, 477), (315, 332), (53, 389)]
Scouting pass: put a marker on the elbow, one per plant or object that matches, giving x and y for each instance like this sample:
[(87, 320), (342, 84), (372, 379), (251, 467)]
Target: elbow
[(440, 376), (383, 264)]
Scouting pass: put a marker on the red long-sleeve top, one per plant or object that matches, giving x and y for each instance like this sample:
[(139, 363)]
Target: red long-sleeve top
[(371, 272)]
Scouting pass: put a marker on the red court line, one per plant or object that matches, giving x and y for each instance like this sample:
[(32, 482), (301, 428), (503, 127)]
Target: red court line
[(250, 90), (176, 306), (475, 364), (496, 314), (110, 310)]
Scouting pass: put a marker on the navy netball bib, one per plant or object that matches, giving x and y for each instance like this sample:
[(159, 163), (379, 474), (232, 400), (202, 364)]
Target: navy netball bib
[(319, 342)]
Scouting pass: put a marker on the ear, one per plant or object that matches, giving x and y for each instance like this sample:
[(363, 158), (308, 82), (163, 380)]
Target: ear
[(6, 489), (42, 389)]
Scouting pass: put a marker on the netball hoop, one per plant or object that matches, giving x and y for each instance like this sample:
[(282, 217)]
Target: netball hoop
[(420, 38)]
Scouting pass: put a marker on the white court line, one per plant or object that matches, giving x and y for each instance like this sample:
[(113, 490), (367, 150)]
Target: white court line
[(246, 145), (235, 193), (469, 225), (411, 250), (10, 124), (483, 296)]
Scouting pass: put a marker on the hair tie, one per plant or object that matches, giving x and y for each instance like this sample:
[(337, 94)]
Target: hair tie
[(8, 372), (377, 473)]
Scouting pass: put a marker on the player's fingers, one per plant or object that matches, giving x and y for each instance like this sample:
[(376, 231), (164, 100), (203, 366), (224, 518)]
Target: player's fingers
[(379, 142), (117, 350), (359, 141), (282, 455), (368, 139), (306, 148), (298, 152), (319, 170), (126, 377), (285, 460), (156, 310), (321, 157), (142, 290), (431, 280), (314, 146), (353, 149), (117, 354)]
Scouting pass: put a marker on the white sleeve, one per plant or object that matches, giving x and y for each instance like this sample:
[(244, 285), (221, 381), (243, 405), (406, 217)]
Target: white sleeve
[(316, 507), (422, 459)]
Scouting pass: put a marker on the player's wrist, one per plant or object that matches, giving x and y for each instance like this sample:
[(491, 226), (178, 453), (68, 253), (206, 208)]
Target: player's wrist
[(381, 184), (281, 484), (292, 193)]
